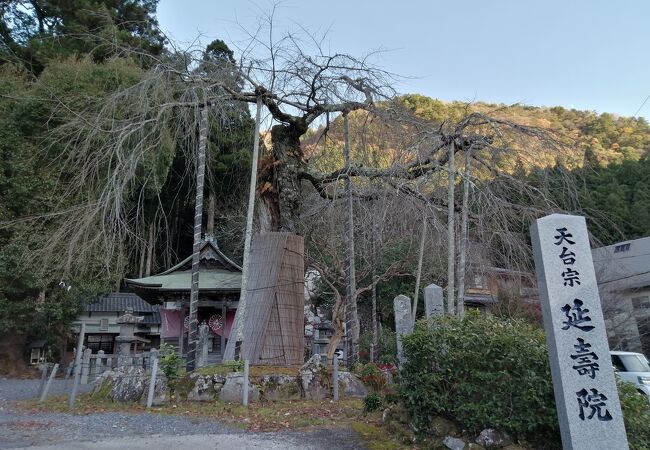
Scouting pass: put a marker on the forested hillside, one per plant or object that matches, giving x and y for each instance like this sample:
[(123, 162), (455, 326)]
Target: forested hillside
[(58, 58), (606, 138), (606, 157)]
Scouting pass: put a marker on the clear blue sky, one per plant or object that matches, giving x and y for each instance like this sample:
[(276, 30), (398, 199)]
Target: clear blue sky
[(580, 54)]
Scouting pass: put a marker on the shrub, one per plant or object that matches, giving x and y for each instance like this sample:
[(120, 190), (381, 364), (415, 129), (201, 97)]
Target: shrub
[(235, 365), (636, 413), (373, 377), (484, 371), (170, 363), (372, 402), (385, 350), (387, 347), (481, 371)]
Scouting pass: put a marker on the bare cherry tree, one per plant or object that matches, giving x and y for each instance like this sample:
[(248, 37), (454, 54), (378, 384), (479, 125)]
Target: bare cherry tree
[(302, 86)]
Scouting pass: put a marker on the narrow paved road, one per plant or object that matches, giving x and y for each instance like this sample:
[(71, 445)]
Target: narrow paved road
[(99, 431)]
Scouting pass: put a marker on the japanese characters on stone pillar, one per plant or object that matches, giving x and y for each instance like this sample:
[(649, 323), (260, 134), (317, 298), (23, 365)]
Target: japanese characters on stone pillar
[(403, 323), (433, 301), (586, 397)]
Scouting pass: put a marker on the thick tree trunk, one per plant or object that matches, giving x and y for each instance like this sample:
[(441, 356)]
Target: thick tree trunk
[(338, 312), (279, 186), (198, 222), (451, 235)]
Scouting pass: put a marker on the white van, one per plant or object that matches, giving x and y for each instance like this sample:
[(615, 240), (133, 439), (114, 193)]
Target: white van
[(634, 368)]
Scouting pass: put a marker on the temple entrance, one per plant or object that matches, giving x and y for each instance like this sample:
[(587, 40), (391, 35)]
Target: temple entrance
[(219, 287)]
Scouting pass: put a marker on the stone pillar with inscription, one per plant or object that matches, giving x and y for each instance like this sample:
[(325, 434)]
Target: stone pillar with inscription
[(403, 323), (586, 396), (433, 301), (202, 348)]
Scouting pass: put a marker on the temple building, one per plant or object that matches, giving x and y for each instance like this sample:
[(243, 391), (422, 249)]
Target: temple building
[(219, 288)]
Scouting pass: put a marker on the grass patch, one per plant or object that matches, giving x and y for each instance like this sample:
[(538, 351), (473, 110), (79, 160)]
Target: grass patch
[(375, 437), (255, 371)]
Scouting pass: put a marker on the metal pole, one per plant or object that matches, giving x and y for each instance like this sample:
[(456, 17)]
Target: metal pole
[(335, 377), (245, 384), (77, 366), (152, 383), (49, 382)]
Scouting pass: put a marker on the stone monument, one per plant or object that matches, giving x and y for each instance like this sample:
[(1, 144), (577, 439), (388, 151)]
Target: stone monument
[(586, 396), (403, 323), (433, 301), (202, 349), (127, 322)]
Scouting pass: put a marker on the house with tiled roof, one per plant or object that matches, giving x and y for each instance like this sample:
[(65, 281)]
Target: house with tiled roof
[(623, 273), (100, 318)]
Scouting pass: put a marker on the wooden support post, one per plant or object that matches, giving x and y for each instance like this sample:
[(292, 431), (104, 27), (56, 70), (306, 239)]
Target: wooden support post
[(224, 311), (335, 377), (152, 383), (244, 392), (49, 382), (153, 355)]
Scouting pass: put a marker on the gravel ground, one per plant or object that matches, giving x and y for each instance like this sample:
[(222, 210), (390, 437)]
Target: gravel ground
[(113, 430), (269, 441), (23, 389)]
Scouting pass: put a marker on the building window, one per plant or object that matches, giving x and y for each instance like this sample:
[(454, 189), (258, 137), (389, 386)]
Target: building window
[(103, 325), (621, 248), (641, 302), (97, 342)]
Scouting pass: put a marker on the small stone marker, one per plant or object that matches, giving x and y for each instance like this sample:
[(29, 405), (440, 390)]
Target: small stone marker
[(99, 364), (403, 323), (433, 301), (85, 365), (202, 348), (586, 396)]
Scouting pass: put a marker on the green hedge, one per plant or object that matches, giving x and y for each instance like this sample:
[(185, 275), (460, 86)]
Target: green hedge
[(481, 371), (484, 371), (636, 413)]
